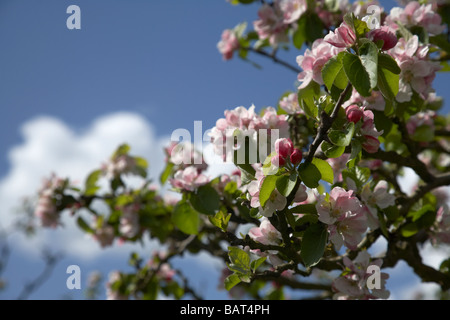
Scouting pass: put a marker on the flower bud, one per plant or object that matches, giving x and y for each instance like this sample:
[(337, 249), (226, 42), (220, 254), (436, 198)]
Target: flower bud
[(354, 113), (371, 144), (386, 34), (284, 147), (296, 156)]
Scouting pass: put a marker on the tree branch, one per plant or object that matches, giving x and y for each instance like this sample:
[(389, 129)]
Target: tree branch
[(274, 59)]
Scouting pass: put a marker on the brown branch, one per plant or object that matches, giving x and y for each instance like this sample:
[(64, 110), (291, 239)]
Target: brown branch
[(274, 59), (325, 125)]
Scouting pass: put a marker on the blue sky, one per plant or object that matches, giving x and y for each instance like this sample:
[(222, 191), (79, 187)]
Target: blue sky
[(153, 63)]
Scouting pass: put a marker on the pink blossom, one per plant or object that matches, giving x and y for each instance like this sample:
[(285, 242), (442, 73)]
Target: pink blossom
[(301, 195), (290, 104), (122, 164), (374, 102), (242, 122), (423, 118), (385, 34), (344, 215), (313, 61), (353, 283), (103, 233), (291, 9), (415, 14), (228, 44), (266, 233), (276, 202), (379, 197), (369, 132), (112, 294), (270, 24), (338, 164), (46, 209), (440, 231), (184, 154), (341, 37), (129, 221), (189, 179)]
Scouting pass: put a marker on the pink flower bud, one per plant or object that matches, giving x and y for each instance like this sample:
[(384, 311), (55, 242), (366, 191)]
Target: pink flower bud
[(371, 144), (342, 37), (386, 34), (296, 156), (278, 161), (284, 147), (354, 113)]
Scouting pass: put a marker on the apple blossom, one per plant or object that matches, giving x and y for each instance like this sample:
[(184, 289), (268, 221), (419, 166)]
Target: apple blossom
[(374, 102), (276, 202), (188, 179), (228, 44), (46, 209), (440, 231), (291, 9), (312, 61), (344, 215), (129, 221), (417, 72), (415, 14), (111, 293), (338, 165), (103, 233), (270, 24), (379, 197), (424, 118), (353, 283), (341, 37), (290, 104), (265, 233)]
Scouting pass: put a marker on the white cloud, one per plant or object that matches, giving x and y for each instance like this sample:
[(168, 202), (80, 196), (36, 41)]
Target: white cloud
[(50, 145)]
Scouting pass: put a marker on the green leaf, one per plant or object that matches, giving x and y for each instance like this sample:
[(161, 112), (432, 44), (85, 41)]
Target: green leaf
[(388, 83), (186, 218), (256, 263), (357, 74), (90, 185), (423, 133), (369, 58), (286, 183), (205, 200), (409, 229), (313, 245), (385, 61), (121, 151), (166, 173), (342, 137), (310, 175), (325, 169), (240, 260), (231, 281), (331, 150), (304, 208), (331, 70), (84, 226), (220, 220), (306, 98), (359, 175), (267, 188), (299, 36)]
